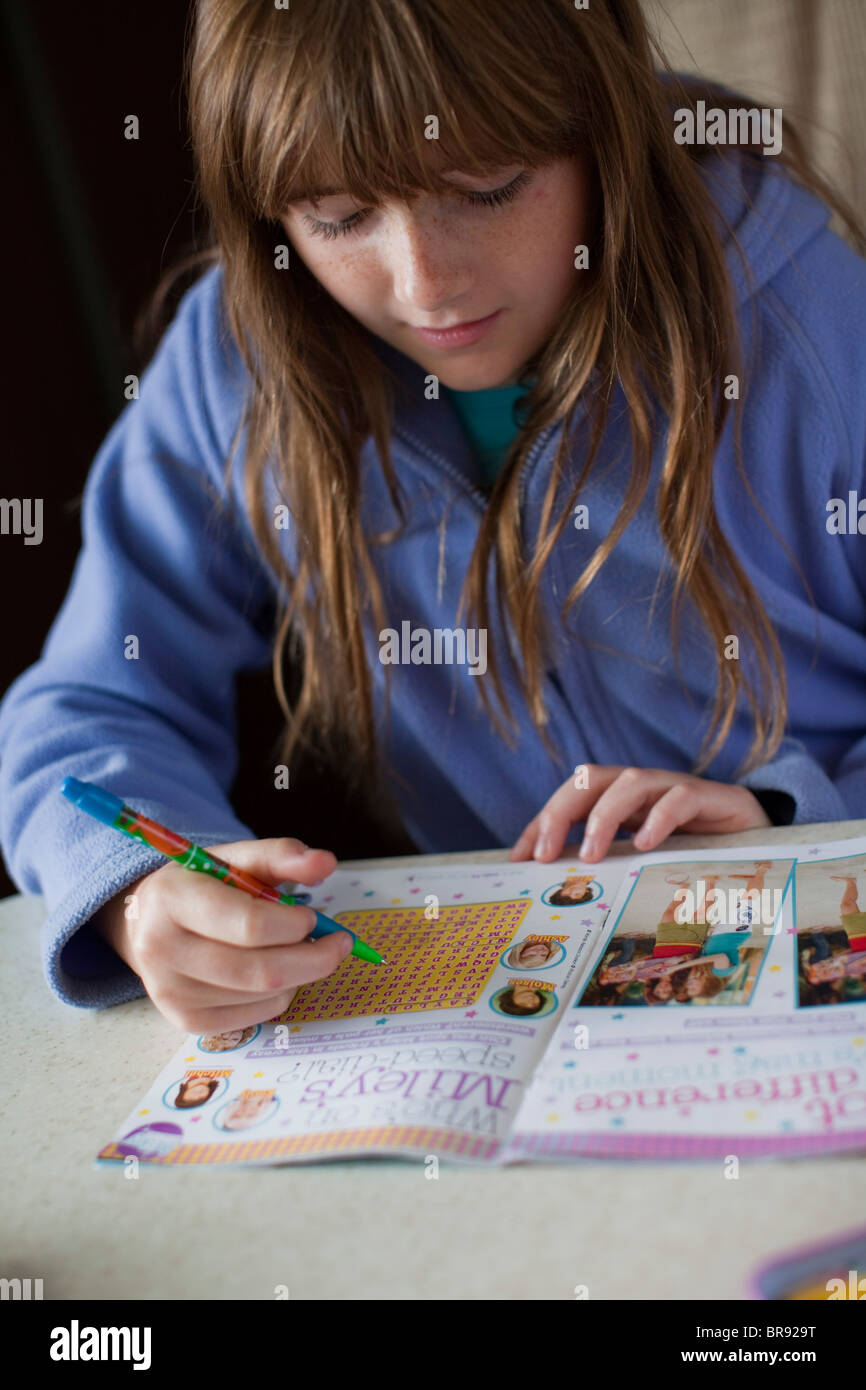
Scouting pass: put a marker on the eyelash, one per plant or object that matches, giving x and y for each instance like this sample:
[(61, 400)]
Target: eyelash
[(496, 197)]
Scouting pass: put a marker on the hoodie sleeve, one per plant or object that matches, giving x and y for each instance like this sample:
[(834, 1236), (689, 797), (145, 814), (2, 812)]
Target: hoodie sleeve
[(134, 688), (794, 789)]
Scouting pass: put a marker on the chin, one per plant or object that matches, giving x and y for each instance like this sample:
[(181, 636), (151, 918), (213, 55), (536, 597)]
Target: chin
[(478, 378)]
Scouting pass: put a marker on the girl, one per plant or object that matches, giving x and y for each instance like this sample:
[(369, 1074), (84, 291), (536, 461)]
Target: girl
[(696, 982), (533, 955), (196, 1090), (576, 889), (674, 938), (423, 212)]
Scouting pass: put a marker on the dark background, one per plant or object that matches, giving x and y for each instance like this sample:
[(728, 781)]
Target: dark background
[(92, 220)]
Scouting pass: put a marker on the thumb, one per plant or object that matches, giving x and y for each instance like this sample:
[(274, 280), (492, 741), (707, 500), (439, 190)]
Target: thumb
[(278, 860)]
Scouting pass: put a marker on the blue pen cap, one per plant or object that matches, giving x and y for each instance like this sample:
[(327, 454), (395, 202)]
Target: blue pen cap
[(325, 925), (96, 801)]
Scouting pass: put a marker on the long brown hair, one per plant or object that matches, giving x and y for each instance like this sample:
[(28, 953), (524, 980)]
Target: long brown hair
[(337, 92)]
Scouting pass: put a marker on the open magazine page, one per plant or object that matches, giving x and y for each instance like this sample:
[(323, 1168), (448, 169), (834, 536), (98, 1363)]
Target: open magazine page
[(738, 1030), (426, 1055)]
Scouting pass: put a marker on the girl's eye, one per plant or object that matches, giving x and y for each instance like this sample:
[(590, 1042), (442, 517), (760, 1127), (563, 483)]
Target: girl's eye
[(495, 198)]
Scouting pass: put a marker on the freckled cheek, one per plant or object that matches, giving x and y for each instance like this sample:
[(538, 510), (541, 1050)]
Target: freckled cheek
[(352, 279)]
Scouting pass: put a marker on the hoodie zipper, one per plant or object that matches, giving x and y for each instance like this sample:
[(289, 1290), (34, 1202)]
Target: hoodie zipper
[(469, 489)]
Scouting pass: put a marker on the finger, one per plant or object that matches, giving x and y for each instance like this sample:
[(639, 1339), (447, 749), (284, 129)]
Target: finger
[(546, 833), (630, 792), (184, 991), (223, 1020), (567, 805), (260, 972), (570, 805), (215, 911), (680, 804), (279, 859), (525, 843)]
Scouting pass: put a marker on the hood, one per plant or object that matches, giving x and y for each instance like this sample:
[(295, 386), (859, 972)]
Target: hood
[(769, 214)]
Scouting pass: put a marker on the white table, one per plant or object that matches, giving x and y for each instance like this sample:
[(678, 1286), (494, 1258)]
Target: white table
[(354, 1230)]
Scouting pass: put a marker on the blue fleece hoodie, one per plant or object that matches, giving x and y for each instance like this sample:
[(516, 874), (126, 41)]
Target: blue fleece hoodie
[(158, 562)]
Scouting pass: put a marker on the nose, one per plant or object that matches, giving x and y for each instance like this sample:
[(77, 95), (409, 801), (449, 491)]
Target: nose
[(430, 272)]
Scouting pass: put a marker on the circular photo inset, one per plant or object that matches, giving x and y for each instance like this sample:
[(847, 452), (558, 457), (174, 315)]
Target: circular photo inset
[(575, 891), (533, 955), (192, 1091), (151, 1141), (229, 1041), (522, 1001), (246, 1111)]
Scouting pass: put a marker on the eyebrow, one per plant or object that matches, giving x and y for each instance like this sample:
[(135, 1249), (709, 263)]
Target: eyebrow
[(315, 195)]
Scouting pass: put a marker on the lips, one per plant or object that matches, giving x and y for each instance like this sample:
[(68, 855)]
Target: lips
[(460, 334), (447, 327)]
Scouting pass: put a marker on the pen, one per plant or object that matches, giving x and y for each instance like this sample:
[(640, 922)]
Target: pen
[(108, 808)]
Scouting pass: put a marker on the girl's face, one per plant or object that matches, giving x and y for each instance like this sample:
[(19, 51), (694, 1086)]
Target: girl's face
[(196, 1090), (664, 989), (525, 998), (445, 261), (534, 953), (575, 887), (695, 982)]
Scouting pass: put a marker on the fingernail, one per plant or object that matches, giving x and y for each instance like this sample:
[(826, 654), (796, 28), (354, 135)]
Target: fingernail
[(542, 846), (588, 847), (642, 839)]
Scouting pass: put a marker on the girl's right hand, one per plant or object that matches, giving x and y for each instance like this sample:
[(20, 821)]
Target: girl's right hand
[(211, 957)]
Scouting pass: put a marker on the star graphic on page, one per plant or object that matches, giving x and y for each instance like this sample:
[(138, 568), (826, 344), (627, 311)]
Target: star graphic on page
[(470, 1013), (586, 922), (791, 931), (634, 873), (779, 994), (381, 1020), (813, 851), (189, 1059)]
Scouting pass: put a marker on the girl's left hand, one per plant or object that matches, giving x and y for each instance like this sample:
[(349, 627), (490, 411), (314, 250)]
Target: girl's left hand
[(657, 801)]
